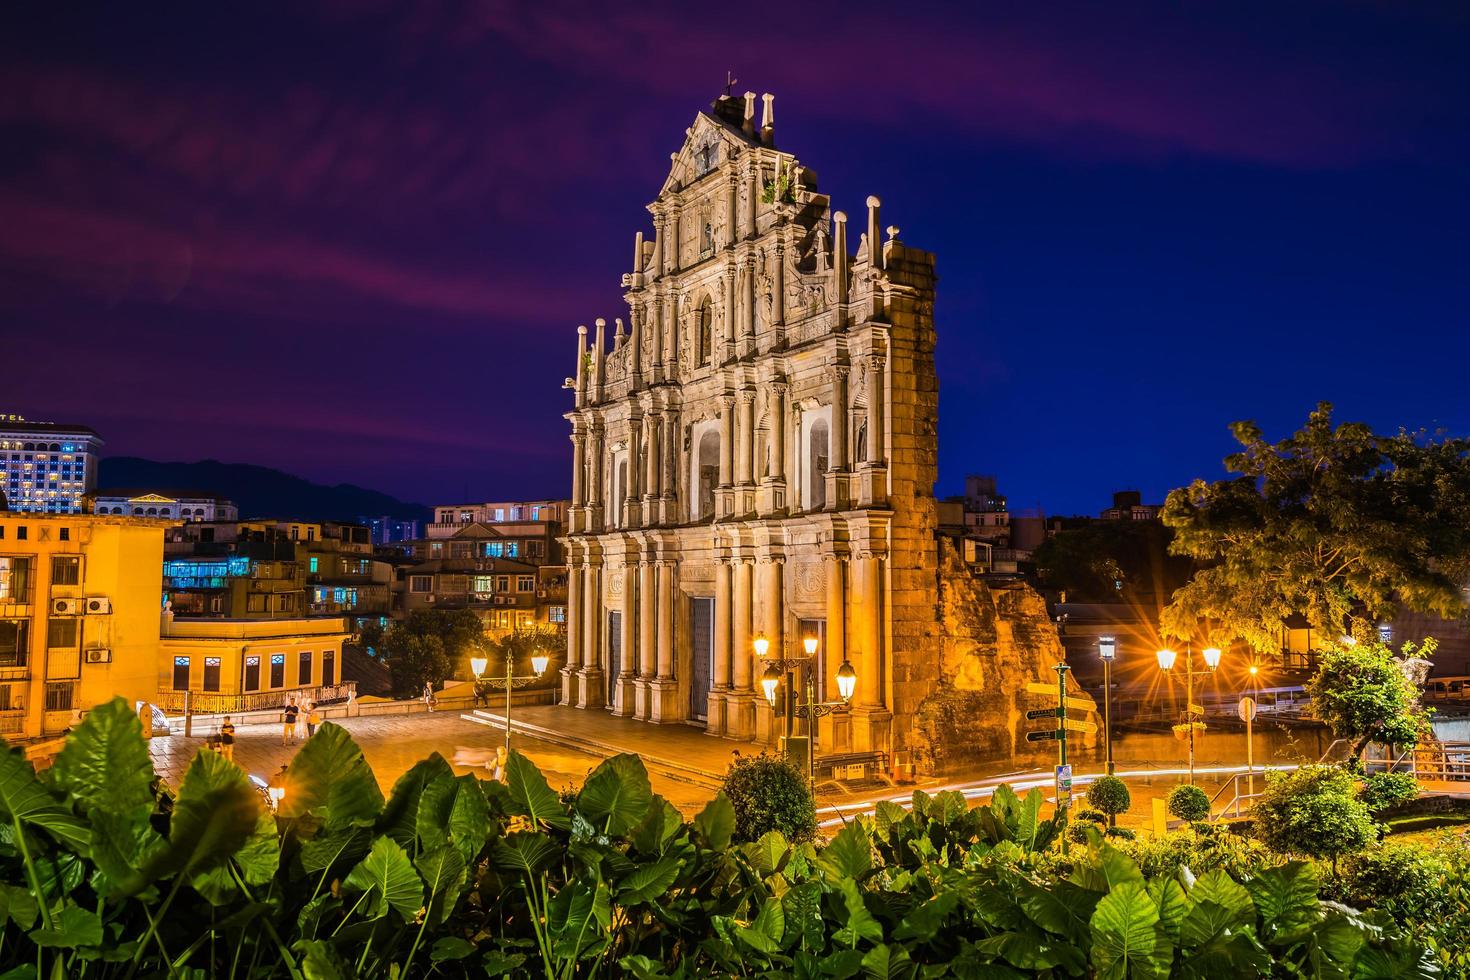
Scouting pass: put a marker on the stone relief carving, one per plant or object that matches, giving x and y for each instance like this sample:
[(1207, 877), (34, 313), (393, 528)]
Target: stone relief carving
[(613, 583), (809, 581)]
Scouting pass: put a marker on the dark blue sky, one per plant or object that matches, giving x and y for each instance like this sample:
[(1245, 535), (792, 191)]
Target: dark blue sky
[(354, 239)]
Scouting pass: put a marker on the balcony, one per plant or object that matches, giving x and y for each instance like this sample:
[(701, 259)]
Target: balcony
[(212, 703), (12, 721)]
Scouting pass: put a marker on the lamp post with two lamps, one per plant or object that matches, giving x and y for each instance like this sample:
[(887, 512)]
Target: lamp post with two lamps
[(510, 681), (1211, 657), (811, 709)]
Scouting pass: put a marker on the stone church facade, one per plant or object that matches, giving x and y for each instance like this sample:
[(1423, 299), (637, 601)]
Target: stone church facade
[(755, 453)]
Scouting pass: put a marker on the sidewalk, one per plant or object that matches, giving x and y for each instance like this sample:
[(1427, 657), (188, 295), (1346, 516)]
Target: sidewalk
[(676, 751)]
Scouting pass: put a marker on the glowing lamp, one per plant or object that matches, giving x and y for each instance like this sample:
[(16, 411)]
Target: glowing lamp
[(478, 665), (771, 680), (761, 645), (278, 793), (810, 643), (1255, 670), (1212, 657), (539, 663), (846, 680), (1107, 648), (1166, 659)]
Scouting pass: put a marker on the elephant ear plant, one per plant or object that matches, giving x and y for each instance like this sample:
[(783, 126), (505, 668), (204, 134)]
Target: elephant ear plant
[(104, 874)]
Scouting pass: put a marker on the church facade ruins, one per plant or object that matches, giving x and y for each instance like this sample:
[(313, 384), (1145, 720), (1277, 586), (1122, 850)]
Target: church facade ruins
[(755, 453)]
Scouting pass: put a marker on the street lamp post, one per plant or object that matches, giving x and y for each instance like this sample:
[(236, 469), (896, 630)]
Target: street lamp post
[(811, 709), (1166, 658), (509, 682), (1107, 650)]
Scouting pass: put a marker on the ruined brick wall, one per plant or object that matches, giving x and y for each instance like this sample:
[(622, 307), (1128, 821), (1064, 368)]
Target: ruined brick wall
[(988, 646)]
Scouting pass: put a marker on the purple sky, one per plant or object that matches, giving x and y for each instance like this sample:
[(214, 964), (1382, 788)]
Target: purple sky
[(354, 240)]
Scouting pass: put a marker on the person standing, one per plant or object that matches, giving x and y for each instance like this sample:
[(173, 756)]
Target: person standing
[(288, 722), (227, 739), (429, 695), (313, 718), (498, 773)]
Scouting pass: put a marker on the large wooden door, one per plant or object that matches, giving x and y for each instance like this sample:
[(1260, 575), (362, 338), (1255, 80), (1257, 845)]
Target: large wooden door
[(702, 629), (614, 653)]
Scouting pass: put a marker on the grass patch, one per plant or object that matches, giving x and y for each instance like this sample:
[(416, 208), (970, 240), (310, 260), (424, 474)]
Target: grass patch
[(1429, 821)]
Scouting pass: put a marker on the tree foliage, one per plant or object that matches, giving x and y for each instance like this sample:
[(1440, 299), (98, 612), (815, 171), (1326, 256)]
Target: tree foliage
[(1189, 803), (1361, 692), (1110, 795), (1313, 810), (414, 660), (1334, 523), (770, 793), (1111, 561), (431, 645)]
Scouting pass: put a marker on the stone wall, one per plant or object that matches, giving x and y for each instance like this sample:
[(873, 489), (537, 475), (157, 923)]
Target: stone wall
[(991, 644)]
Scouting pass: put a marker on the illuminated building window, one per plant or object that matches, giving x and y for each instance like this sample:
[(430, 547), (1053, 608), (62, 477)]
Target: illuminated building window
[(557, 614)]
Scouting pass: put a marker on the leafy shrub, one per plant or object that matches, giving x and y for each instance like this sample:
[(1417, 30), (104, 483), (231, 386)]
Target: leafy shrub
[(1163, 857), (1383, 790), (1122, 832), (1404, 880), (1094, 816), (1189, 803), (1110, 795), (770, 793), (1314, 811)]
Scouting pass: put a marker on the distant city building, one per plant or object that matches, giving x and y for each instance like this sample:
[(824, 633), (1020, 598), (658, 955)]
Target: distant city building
[(987, 534), (389, 530), (184, 505), (79, 619), (46, 467), (506, 594), (1128, 505), (230, 665), (449, 519)]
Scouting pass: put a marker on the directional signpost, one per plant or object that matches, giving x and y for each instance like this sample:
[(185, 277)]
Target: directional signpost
[(1058, 734)]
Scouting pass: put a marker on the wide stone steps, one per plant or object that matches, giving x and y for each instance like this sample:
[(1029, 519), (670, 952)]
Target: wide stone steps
[(592, 745)]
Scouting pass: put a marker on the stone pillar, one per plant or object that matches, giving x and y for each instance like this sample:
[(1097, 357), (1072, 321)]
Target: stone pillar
[(870, 717), (665, 689), (837, 476), (671, 334), (873, 482), (630, 506), (753, 185), (778, 431), (669, 505), (717, 719), (580, 394), (673, 222), (592, 694), (597, 492), (599, 355), (635, 336), (725, 494), (839, 263), (750, 316), (778, 307), (647, 639), (624, 694), (732, 194), (579, 466), (836, 728), (727, 336), (570, 673), (661, 233), (742, 696), (653, 422), (656, 330), (875, 242)]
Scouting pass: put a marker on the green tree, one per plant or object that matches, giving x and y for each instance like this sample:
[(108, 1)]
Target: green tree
[(770, 793), (1112, 561), (524, 643), (1189, 803), (1362, 693), (1313, 811), (414, 660), (1334, 523), (1110, 796)]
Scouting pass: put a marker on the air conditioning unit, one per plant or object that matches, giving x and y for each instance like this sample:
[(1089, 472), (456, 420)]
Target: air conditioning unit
[(66, 607), (97, 605), (98, 656), (431, 597)]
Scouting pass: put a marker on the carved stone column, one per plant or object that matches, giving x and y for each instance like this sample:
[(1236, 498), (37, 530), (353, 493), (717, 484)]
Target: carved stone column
[(593, 694), (838, 475), (717, 718), (836, 729), (624, 695), (653, 423), (873, 485), (742, 695), (665, 689), (669, 505), (656, 330), (725, 493), (571, 672), (871, 720), (596, 494), (671, 334), (750, 312), (579, 477), (647, 639), (728, 332), (630, 505), (745, 453)]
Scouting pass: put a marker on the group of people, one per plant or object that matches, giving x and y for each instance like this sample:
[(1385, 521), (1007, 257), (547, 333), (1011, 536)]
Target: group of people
[(292, 717)]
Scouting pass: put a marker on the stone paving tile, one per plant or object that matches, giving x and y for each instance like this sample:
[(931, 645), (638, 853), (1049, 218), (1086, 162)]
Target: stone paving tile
[(393, 743)]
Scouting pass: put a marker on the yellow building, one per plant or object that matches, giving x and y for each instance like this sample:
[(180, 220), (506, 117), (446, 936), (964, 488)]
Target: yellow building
[(79, 616), (233, 665)]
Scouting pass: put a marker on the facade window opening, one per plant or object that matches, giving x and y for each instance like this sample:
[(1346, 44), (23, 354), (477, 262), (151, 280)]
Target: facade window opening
[(329, 668), (278, 670), (817, 462), (181, 673), (252, 674), (709, 473), (211, 673), (707, 241), (705, 334)]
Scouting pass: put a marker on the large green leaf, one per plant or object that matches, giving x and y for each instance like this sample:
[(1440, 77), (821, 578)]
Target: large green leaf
[(657, 828), (453, 810), (860, 922), (18, 905), (575, 918), (319, 961), (1173, 905), (1028, 819), (1221, 889), (887, 963), (1125, 940), (443, 871), (330, 781), (803, 904), (70, 928), (767, 853), (24, 799), (616, 796), (849, 854), (216, 811), (649, 882), (338, 848), (389, 880), (716, 822), (1286, 898), (123, 843), (526, 852), (105, 764), (531, 796), (257, 861), (399, 819)]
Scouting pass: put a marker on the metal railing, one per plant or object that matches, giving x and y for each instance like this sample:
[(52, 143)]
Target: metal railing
[(210, 703), (12, 720)]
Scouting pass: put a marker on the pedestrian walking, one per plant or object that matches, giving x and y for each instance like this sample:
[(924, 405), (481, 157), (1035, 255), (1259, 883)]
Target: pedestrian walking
[(429, 695), (498, 773), (313, 718), (227, 739), (288, 722)]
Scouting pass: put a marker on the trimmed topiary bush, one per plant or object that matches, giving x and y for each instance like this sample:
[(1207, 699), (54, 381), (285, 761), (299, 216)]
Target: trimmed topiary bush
[(1121, 832), (770, 793), (1383, 790), (1189, 803), (1110, 795), (1313, 811), (1096, 816)]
